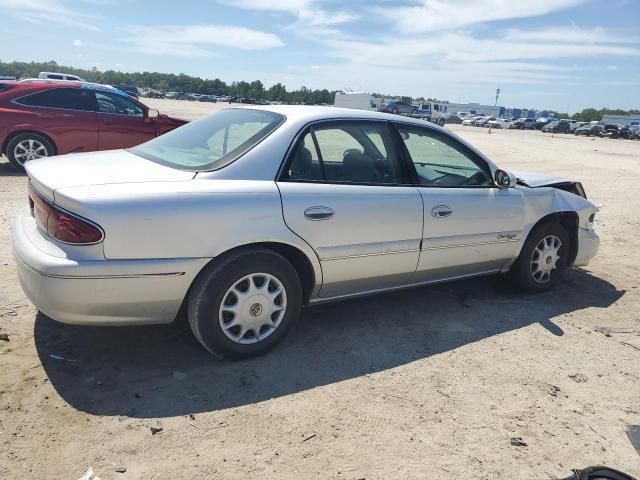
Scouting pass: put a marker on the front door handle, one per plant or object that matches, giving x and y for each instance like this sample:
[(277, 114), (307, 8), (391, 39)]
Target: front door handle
[(441, 211), (318, 213)]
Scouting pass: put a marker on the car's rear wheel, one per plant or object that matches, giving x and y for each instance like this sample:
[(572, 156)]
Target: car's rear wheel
[(395, 110), (441, 122), (245, 303), (543, 258), (28, 146)]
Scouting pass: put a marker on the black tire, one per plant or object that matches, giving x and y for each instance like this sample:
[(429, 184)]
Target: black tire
[(521, 271), (395, 111), (522, 126), (441, 122), (17, 139), (212, 285)]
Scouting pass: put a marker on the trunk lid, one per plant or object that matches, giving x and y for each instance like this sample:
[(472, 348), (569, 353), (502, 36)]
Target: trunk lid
[(98, 168)]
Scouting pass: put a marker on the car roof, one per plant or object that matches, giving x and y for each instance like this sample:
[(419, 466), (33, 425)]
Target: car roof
[(44, 83), (312, 113)]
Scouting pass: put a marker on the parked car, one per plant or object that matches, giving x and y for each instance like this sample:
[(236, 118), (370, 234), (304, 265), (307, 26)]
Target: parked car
[(505, 123), (398, 107), (524, 123), (453, 118), (557, 126), (243, 230), (130, 90), (482, 121), (589, 130), (59, 76), (542, 121), (470, 121), (610, 131), (573, 125), (635, 132), (41, 119)]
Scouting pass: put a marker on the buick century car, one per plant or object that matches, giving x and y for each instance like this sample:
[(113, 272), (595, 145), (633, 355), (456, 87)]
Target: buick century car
[(249, 214)]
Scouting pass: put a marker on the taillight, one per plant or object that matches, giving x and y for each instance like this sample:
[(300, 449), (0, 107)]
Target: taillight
[(61, 225)]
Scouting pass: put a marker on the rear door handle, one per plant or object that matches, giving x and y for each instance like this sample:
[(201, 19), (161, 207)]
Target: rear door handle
[(441, 211), (318, 213)]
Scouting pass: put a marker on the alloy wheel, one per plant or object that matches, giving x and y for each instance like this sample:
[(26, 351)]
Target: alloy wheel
[(29, 149)]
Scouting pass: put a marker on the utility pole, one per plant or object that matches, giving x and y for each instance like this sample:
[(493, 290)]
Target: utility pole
[(497, 95)]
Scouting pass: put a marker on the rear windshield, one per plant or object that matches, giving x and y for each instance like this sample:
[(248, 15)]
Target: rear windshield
[(211, 142)]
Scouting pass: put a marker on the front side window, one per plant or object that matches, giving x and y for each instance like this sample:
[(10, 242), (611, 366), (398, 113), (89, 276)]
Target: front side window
[(66, 98), (211, 142), (440, 162), (117, 104), (346, 152)]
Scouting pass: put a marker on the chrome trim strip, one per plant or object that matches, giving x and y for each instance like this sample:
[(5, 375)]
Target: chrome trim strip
[(477, 244), (319, 300), (100, 277), (327, 259)]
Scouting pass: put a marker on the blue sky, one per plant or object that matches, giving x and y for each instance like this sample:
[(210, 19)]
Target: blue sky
[(559, 54)]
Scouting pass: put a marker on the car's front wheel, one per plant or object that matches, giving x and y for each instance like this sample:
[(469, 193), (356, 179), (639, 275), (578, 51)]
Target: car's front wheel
[(28, 146), (543, 258), (245, 303)]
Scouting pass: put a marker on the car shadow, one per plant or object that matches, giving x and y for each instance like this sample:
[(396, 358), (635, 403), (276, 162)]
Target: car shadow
[(161, 371), (7, 170)]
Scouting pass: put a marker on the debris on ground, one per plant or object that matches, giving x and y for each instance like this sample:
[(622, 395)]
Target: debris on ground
[(89, 475), (554, 390), (579, 378), (635, 347), (56, 357), (179, 376), (518, 442), (4, 336), (155, 430), (633, 432), (120, 469), (308, 438), (607, 331)]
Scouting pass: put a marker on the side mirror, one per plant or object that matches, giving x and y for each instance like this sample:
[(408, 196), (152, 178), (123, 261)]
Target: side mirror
[(153, 113), (505, 179)]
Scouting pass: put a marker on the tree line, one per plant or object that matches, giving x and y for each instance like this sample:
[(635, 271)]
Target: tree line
[(172, 82), (242, 89)]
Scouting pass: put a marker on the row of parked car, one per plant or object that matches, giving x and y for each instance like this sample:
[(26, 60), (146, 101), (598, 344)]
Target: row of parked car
[(549, 125), (199, 97)]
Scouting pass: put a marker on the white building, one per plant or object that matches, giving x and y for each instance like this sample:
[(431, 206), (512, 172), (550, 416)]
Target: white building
[(357, 100), (622, 119)]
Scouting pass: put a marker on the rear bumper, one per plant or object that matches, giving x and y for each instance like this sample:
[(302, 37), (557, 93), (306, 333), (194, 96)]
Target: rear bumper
[(588, 244), (99, 292)]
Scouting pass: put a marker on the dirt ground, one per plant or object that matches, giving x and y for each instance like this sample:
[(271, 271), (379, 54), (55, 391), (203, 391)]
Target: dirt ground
[(432, 382)]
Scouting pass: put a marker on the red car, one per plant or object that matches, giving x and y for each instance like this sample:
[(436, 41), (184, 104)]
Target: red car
[(44, 118)]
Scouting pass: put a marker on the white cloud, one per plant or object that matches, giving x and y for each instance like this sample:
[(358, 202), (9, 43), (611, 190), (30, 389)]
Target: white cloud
[(78, 43), (437, 15), (192, 40), (48, 11), (572, 34), (307, 12)]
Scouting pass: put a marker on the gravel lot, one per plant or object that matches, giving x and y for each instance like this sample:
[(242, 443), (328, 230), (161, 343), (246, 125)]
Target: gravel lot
[(432, 382)]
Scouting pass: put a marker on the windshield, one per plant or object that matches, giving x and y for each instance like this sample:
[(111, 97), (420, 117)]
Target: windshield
[(212, 142)]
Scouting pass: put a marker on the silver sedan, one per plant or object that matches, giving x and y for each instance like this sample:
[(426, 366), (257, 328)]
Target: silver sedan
[(247, 215)]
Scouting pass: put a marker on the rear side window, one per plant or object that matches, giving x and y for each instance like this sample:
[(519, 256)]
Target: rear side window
[(66, 98), (117, 105), (347, 152)]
